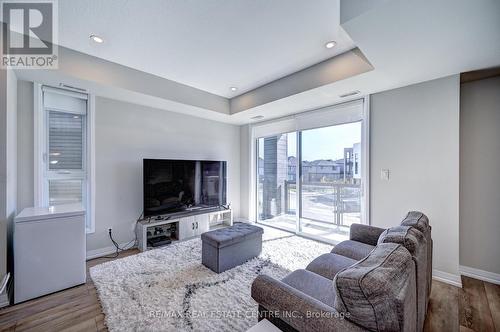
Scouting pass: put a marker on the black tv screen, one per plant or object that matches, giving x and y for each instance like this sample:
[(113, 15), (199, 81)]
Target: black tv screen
[(176, 185)]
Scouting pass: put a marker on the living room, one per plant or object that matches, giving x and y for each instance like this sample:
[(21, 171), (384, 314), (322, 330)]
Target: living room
[(250, 165)]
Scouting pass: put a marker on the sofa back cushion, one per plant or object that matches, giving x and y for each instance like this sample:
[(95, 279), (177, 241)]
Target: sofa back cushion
[(421, 222), (414, 241), (378, 293), (409, 237), (418, 220)]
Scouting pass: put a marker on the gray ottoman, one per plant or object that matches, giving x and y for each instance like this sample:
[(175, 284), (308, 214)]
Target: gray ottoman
[(228, 247)]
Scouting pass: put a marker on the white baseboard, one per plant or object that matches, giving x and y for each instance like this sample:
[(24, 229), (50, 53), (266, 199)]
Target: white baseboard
[(494, 278), (447, 278), (96, 253)]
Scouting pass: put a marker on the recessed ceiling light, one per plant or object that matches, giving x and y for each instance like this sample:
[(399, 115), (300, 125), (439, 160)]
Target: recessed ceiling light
[(330, 44), (257, 117), (233, 88), (97, 39)]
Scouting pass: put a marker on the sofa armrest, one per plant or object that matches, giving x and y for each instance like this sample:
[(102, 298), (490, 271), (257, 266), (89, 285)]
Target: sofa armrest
[(365, 233), (298, 309)]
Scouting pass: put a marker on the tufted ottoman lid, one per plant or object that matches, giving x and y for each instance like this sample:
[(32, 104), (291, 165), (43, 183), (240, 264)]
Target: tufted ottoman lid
[(230, 235)]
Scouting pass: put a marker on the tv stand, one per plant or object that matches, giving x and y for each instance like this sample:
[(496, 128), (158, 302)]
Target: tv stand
[(181, 226)]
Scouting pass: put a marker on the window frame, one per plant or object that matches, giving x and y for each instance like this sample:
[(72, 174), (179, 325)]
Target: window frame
[(42, 174)]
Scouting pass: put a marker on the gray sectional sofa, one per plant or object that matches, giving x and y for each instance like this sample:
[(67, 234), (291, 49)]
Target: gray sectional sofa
[(378, 280)]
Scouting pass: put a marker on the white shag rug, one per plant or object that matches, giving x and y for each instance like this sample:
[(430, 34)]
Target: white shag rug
[(168, 289)]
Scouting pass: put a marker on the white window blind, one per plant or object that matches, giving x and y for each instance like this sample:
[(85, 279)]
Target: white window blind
[(333, 115), (65, 191), (66, 140), (62, 100), (351, 111), (64, 128)]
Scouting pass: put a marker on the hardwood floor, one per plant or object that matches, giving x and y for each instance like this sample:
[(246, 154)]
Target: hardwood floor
[(475, 307), (74, 309)]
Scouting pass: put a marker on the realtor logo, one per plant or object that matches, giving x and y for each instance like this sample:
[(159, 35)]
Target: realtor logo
[(29, 34)]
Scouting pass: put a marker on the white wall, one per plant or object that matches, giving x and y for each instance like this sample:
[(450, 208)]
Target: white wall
[(415, 134), (11, 158), (3, 172), (479, 175), (245, 177), (8, 160), (125, 134), (25, 142)]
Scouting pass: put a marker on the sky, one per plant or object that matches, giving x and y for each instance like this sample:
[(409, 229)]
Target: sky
[(324, 143)]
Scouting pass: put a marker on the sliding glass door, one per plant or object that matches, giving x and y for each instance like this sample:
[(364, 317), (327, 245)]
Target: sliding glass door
[(312, 180), (330, 185), (276, 180)]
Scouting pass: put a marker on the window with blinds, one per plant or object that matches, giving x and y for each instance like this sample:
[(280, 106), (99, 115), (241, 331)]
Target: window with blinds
[(65, 192), (65, 148), (66, 140)]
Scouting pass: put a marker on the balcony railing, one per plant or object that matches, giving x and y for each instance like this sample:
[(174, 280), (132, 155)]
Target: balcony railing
[(328, 203)]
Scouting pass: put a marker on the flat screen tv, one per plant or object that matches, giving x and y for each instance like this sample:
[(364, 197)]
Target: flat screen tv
[(172, 186)]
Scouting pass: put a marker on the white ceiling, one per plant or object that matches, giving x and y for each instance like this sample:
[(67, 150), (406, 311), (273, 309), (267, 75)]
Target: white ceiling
[(404, 41), (407, 42), (209, 44)]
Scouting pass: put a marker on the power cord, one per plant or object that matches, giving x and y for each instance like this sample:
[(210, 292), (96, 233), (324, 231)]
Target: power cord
[(126, 246)]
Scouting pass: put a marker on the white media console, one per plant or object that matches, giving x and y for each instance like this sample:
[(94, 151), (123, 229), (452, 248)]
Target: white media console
[(181, 226)]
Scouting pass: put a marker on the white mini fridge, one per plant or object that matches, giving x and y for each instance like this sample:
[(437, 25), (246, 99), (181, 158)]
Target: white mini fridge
[(49, 250)]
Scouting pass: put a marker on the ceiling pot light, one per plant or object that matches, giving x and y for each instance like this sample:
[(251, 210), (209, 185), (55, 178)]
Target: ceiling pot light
[(233, 88), (257, 117), (97, 39), (330, 44)]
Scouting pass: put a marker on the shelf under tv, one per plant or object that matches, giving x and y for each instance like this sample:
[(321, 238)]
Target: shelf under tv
[(188, 224)]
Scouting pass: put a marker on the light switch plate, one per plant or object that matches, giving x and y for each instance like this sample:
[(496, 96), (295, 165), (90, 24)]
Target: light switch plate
[(384, 174)]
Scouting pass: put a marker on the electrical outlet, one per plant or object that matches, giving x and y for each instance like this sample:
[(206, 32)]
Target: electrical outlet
[(384, 174), (110, 229)]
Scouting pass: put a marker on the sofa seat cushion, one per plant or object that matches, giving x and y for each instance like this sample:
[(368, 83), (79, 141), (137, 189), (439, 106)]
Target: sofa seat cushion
[(379, 291), (312, 284), (328, 265), (352, 249)]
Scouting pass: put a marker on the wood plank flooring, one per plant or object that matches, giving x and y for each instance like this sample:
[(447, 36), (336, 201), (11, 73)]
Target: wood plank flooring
[(475, 307)]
